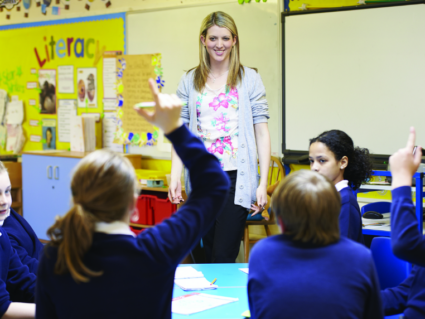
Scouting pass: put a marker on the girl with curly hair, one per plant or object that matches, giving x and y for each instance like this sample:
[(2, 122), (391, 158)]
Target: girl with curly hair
[(333, 155)]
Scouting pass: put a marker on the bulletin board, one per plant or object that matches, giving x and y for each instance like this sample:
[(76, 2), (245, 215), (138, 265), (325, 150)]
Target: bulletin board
[(66, 54), (174, 33)]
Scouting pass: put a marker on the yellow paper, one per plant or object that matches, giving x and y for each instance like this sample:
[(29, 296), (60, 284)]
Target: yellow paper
[(246, 314), (133, 73)]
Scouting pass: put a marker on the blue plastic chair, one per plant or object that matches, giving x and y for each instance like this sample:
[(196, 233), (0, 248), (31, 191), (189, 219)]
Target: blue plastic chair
[(391, 270), (380, 207)]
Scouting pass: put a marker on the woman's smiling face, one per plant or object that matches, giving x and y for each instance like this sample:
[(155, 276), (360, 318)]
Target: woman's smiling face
[(218, 42)]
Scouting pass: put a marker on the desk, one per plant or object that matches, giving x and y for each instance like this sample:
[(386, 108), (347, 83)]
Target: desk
[(419, 189), (231, 283)]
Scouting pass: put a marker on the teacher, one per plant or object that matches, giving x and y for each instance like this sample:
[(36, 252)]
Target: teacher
[(225, 104)]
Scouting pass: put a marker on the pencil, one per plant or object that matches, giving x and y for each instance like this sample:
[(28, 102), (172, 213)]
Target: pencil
[(145, 104), (212, 282)]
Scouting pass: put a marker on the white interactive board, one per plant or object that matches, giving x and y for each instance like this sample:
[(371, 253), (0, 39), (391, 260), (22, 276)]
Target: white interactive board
[(360, 71)]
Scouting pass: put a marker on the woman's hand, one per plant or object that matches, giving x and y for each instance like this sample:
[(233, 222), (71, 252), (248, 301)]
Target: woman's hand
[(167, 110), (175, 192), (262, 196)]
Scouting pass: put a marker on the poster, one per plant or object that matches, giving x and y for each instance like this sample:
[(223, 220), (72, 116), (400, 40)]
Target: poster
[(49, 134), (133, 73), (66, 79), (109, 129), (15, 112), (47, 82), (87, 87), (67, 109), (110, 75)]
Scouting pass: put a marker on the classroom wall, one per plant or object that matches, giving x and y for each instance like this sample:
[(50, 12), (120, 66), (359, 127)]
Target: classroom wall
[(98, 8)]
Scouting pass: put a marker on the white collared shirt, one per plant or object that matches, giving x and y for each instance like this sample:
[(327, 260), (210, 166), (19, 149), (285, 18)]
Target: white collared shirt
[(115, 228), (2, 221), (341, 185)]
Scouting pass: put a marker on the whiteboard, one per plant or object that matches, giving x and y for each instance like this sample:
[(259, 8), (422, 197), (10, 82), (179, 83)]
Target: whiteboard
[(360, 71), (175, 34)]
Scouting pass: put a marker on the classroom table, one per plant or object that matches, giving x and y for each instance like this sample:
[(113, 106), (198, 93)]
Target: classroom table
[(231, 282)]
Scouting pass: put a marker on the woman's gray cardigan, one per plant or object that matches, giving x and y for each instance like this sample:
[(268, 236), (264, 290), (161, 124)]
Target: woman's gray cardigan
[(253, 109)]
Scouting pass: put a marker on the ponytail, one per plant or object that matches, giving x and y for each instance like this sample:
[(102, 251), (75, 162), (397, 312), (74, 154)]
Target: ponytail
[(103, 187), (359, 167), (73, 234)]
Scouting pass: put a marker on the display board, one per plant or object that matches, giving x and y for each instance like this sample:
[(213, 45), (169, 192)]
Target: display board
[(55, 68), (360, 71), (175, 34)]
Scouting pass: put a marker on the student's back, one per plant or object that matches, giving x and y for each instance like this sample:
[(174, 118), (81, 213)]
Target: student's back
[(311, 271), (290, 279)]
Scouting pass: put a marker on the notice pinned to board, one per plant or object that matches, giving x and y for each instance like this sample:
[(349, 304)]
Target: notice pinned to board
[(133, 73)]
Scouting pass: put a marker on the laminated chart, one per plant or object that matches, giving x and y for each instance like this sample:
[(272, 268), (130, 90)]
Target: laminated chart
[(133, 73)]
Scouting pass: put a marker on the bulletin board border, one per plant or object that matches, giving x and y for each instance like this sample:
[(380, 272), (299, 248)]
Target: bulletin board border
[(111, 16)]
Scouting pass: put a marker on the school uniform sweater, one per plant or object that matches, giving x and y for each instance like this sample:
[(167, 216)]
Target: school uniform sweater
[(289, 279), (14, 277), (350, 220), (23, 239), (138, 272), (407, 244)]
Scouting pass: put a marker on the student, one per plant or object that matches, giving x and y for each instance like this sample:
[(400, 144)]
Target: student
[(309, 271), (17, 280), (333, 155), (406, 240), (94, 267), (225, 105), (22, 236)]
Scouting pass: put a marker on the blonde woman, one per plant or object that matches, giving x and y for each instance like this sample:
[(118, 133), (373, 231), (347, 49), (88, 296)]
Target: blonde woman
[(225, 104)]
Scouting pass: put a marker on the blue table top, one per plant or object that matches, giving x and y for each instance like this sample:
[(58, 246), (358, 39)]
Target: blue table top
[(231, 283)]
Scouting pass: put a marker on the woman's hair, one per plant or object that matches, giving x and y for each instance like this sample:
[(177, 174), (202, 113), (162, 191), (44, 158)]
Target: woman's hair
[(103, 188), (359, 166), (3, 168), (308, 204), (236, 70)]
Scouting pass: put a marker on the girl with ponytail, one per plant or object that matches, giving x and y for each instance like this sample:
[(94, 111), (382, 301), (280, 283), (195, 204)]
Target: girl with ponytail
[(333, 155), (94, 266)]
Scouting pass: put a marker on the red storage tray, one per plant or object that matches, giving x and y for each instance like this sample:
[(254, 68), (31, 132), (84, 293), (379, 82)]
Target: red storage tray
[(153, 209), (145, 210), (162, 209)]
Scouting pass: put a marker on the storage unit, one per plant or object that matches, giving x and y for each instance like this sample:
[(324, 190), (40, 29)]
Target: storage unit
[(46, 179), (153, 209)]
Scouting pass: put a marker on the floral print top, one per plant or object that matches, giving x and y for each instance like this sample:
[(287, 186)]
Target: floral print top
[(217, 122)]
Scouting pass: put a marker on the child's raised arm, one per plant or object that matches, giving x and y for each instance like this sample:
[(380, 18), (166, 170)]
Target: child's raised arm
[(170, 241), (406, 240)]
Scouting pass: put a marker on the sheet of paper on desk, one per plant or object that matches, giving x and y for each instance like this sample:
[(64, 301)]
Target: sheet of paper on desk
[(245, 270), (198, 302), (194, 284), (187, 272)]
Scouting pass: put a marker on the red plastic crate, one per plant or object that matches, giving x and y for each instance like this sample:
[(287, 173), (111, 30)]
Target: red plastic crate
[(145, 210), (153, 210), (162, 209)]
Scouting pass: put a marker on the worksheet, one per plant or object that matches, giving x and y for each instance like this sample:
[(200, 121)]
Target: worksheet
[(198, 302)]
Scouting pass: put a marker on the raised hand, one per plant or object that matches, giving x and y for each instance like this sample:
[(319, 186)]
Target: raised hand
[(167, 110), (404, 163)]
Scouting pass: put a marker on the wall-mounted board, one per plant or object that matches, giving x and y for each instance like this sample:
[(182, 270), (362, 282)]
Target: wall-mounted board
[(360, 71)]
